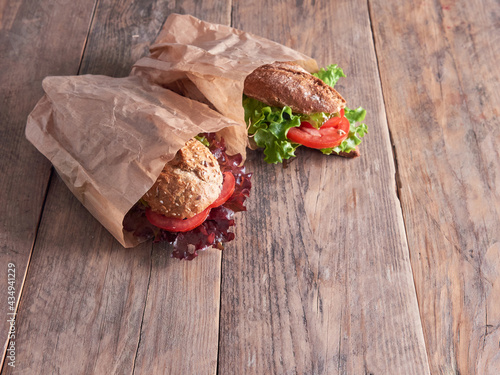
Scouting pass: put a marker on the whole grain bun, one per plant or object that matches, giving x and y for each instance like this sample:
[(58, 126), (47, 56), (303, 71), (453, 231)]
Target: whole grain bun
[(188, 184), (288, 84)]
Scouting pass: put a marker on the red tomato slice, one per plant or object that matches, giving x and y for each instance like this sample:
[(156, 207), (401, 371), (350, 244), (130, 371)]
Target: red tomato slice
[(324, 137), (306, 124), (176, 225), (332, 123), (227, 190)]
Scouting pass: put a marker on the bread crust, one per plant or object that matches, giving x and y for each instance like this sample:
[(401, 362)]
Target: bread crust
[(288, 84), (188, 184), (351, 155)]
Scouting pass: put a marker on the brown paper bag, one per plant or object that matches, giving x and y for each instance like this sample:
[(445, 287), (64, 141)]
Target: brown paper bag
[(109, 138), (209, 63)]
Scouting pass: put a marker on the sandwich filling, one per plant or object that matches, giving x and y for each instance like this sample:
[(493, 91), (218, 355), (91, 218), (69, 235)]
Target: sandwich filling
[(164, 221)]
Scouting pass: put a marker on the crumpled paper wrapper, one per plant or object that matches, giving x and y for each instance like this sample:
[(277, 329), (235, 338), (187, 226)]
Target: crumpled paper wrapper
[(109, 138), (209, 63)]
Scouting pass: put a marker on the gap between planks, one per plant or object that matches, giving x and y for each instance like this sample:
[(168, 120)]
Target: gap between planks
[(152, 246), (144, 309), (25, 276), (84, 47), (231, 23), (397, 177), (47, 188)]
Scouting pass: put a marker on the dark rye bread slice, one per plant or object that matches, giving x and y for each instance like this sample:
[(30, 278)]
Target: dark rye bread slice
[(288, 84), (351, 155)]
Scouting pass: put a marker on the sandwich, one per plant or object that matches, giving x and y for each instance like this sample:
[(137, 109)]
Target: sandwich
[(192, 203), (286, 107)]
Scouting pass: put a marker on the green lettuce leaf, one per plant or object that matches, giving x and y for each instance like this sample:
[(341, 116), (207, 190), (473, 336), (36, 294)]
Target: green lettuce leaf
[(330, 75), (268, 127), (357, 130), (355, 115), (203, 140)]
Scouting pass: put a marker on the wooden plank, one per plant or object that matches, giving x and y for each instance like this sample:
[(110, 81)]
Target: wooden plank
[(82, 306), (86, 297), (439, 69), (133, 26), (181, 320), (324, 284), (31, 47)]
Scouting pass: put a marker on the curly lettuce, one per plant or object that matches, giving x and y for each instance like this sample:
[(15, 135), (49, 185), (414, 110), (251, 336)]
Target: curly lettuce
[(330, 75), (268, 125)]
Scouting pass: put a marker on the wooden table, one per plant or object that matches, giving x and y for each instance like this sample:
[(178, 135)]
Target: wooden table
[(386, 264)]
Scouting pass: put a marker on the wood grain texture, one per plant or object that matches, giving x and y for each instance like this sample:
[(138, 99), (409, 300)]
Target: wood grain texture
[(440, 78), (181, 321), (133, 25), (86, 296), (320, 278), (31, 47), (180, 328), (324, 285)]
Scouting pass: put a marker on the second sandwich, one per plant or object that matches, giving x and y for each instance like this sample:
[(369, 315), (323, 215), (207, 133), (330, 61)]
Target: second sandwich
[(286, 107)]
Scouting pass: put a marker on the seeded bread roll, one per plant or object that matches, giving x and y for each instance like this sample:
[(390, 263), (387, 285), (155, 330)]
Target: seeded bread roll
[(188, 184), (288, 84)]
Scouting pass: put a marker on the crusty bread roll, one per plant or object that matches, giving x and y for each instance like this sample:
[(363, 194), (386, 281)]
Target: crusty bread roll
[(188, 184), (288, 84)]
